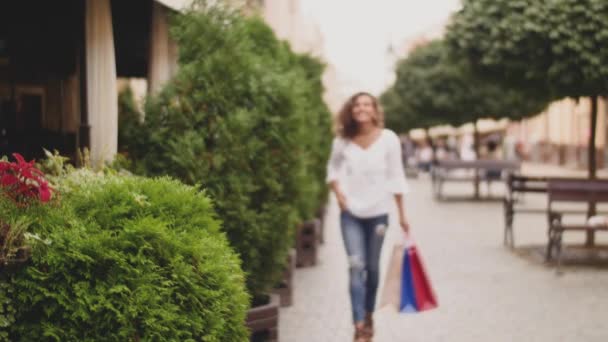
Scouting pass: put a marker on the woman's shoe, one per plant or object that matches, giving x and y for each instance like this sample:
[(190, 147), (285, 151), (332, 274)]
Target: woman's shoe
[(361, 335), (369, 325)]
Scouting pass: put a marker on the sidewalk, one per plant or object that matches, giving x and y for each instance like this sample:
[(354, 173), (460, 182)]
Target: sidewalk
[(485, 292)]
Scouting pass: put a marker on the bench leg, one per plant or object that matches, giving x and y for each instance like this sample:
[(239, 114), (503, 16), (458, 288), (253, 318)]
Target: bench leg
[(509, 238), (550, 244), (558, 249), (437, 187)]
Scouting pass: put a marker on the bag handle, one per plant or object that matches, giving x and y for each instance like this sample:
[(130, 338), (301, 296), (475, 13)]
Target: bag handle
[(408, 240)]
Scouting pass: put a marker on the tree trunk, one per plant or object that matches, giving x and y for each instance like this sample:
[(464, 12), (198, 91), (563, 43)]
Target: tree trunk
[(476, 148), (429, 140), (592, 162)]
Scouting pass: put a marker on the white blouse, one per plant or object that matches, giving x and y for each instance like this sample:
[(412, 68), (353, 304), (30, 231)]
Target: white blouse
[(368, 177)]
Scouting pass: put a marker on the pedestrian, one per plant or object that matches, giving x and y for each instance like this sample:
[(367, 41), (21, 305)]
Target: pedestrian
[(425, 156), (366, 174)]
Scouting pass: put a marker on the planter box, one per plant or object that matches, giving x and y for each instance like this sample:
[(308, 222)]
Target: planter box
[(286, 287), (263, 321), (307, 243), (321, 232)]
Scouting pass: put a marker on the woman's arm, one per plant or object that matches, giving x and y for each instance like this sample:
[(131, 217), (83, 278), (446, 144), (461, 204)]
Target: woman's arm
[(333, 169), (403, 222), (339, 195)]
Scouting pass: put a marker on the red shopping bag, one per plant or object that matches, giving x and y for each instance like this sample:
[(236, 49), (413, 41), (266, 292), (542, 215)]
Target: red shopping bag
[(424, 294)]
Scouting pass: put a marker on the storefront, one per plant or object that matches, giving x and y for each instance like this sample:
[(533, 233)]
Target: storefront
[(59, 65)]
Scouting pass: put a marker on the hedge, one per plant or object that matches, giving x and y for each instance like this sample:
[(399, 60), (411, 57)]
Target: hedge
[(121, 258), (244, 117)]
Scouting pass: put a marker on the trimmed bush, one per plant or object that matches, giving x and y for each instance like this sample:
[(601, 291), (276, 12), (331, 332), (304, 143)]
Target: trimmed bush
[(243, 116), (125, 258), (317, 136), (129, 119)]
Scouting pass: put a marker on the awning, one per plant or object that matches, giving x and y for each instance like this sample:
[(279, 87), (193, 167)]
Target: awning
[(176, 5), (439, 131), (485, 126), (417, 134)]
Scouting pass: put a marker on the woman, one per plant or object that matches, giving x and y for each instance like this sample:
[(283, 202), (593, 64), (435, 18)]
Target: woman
[(366, 174)]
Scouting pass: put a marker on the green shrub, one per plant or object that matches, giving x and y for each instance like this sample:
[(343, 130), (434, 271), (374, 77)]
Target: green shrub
[(127, 258), (226, 121), (244, 116), (317, 136), (129, 118)]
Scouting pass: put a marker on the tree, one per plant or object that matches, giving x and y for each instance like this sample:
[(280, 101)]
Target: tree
[(412, 101), (434, 87), (400, 116), (557, 47)]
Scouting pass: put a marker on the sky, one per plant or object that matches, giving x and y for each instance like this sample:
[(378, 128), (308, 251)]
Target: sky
[(357, 34)]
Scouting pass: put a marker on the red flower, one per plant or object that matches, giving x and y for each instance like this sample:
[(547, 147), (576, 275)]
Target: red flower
[(8, 180), (45, 193), (23, 182)]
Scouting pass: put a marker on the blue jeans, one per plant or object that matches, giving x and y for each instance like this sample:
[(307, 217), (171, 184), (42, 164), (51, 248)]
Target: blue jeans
[(363, 238)]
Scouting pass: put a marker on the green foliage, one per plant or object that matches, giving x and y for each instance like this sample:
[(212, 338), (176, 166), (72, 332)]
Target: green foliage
[(497, 35), (12, 237), (129, 119), (54, 164), (578, 32), (558, 46), (398, 116), (7, 309), (315, 133), (126, 258), (434, 87), (244, 117)]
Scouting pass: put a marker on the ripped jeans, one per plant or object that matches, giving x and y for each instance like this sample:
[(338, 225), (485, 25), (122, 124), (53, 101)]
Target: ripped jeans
[(363, 238)]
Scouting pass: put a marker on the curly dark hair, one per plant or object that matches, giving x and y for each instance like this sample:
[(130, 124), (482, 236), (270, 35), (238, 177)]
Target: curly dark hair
[(346, 126)]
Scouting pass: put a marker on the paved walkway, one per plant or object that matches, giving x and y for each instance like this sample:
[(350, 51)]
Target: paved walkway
[(486, 292)]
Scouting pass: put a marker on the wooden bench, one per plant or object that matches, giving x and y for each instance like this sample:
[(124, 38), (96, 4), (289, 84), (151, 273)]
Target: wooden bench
[(571, 191), (517, 186), (443, 172)]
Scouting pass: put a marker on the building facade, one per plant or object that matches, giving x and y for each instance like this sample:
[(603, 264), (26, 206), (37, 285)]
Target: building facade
[(290, 24), (560, 134), (59, 77)]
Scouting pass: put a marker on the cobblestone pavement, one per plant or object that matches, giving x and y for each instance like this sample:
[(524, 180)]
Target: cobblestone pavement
[(485, 291)]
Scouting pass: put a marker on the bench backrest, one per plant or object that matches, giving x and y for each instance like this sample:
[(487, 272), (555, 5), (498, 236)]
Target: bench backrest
[(538, 184), (517, 183), (482, 164), (578, 190)]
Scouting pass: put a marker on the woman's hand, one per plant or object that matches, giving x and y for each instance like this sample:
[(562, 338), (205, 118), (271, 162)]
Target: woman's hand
[(341, 201)]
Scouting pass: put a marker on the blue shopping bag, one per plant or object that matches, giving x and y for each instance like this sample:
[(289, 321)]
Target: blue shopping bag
[(408, 292)]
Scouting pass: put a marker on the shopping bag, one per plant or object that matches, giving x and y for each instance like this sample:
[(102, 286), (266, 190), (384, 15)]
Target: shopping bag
[(391, 291), (408, 292), (424, 295)]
